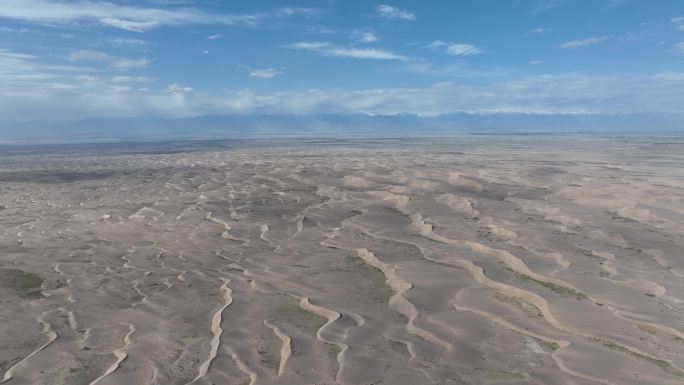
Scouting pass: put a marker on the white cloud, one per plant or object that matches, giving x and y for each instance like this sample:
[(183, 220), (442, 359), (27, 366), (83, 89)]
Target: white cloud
[(458, 70), (362, 36), (131, 42), (266, 73), (178, 89), (584, 42), (545, 5), (535, 62), (31, 88), (129, 63), (538, 31), (295, 11), (85, 54), (328, 49), (456, 48), (310, 45), (128, 25), (87, 78), (679, 47), (14, 30), (65, 98), (364, 54), (112, 61), (678, 22), (669, 76), (132, 79), (131, 18), (463, 49), (390, 12), (214, 37), (437, 44)]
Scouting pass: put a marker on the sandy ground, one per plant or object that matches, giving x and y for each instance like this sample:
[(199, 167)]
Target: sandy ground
[(474, 260)]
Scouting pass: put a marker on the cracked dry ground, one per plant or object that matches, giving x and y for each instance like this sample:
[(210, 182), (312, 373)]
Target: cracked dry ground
[(475, 260)]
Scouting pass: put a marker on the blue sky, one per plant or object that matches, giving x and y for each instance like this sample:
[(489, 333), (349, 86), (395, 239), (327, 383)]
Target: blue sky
[(173, 58)]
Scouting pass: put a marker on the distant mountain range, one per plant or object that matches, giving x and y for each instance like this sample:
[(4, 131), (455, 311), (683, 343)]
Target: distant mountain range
[(316, 125)]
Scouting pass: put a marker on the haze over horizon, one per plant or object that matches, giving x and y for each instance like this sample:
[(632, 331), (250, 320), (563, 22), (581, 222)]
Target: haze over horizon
[(65, 61)]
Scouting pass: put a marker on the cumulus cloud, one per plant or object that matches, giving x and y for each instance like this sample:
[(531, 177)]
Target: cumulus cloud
[(33, 88), (266, 73), (328, 49), (112, 61), (131, 18), (584, 42), (456, 48), (67, 98), (390, 12)]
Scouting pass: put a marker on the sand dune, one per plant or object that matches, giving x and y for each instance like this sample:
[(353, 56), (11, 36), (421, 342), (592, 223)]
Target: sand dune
[(461, 261)]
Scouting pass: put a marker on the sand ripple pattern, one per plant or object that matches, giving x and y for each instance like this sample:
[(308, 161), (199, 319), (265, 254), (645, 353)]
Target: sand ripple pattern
[(474, 260)]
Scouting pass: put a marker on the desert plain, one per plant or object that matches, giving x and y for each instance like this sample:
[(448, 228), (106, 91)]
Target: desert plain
[(521, 259)]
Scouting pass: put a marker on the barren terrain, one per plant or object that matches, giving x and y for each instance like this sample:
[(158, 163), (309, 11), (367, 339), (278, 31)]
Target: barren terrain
[(472, 260)]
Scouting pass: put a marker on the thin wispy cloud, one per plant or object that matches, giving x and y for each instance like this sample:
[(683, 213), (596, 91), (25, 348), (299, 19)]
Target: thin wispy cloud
[(362, 36), (112, 61), (132, 79), (390, 12), (27, 73), (547, 5), (679, 47), (214, 37), (456, 49), (128, 25), (14, 30), (678, 22), (459, 70), (538, 31), (130, 42), (611, 4), (266, 73), (669, 76), (328, 49), (131, 18), (584, 42)]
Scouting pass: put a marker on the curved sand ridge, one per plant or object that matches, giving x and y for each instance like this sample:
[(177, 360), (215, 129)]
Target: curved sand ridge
[(286, 348), (469, 260), (216, 330), (120, 355)]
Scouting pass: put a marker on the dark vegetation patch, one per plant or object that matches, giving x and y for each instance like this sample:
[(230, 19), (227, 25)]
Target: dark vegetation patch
[(25, 284)]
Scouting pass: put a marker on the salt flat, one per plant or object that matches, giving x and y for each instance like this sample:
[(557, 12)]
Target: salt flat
[(471, 260)]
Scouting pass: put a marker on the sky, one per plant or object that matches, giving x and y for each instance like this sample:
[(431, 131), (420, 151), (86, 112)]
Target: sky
[(64, 59)]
